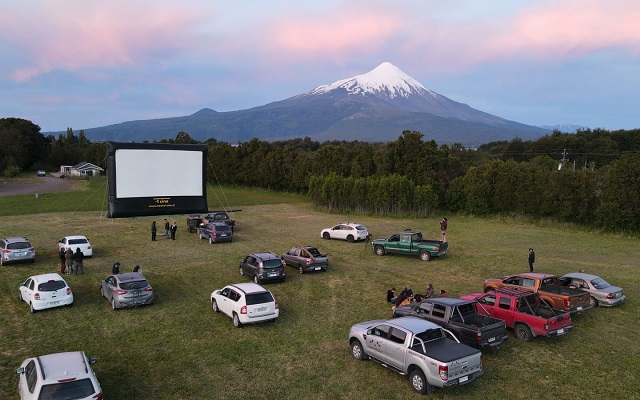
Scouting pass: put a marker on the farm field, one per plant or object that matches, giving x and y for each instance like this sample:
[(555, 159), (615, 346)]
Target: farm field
[(179, 349)]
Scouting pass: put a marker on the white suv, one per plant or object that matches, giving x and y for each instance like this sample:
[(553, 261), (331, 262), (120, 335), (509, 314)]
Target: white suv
[(245, 303), (58, 376), (349, 231)]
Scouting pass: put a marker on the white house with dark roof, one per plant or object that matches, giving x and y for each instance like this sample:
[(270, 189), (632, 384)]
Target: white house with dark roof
[(82, 169)]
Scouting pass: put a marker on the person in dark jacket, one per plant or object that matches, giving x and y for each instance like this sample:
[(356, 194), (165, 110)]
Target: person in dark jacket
[(532, 259), (68, 259), (154, 230), (77, 260), (443, 228), (174, 229), (166, 229), (116, 268), (391, 294)]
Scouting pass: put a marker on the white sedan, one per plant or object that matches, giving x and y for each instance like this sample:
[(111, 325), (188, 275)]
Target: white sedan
[(75, 242), (45, 291)]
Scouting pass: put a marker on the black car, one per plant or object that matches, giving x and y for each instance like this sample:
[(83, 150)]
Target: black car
[(221, 216), (263, 267), (215, 232)]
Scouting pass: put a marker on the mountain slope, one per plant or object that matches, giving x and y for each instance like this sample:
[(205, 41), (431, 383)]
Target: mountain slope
[(376, 106)]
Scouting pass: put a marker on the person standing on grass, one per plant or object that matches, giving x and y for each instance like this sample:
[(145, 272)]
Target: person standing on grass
[(166, 229), (532, 259), (154, 230), (62, 256), (68, 259), (443, 228), (77, 259), (174, 229), (116, 268)]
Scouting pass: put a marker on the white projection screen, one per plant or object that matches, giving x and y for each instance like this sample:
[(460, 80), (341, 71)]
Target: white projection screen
[(156, 179)]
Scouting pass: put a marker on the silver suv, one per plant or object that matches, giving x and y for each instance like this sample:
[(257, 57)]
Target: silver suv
[(16, 249), (263, 267), (58, 376)]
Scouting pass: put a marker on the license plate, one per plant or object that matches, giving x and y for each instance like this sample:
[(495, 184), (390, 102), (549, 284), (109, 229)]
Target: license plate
[(54, 303), (318, 268), (560, 331), (273, 274), (463, 379), (578, 308), (492, 339), (261, 309)]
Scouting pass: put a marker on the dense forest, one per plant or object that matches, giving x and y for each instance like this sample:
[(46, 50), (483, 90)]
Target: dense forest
[(590, 177)]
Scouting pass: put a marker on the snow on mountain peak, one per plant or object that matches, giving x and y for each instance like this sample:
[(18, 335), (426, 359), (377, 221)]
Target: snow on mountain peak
[(386, 80)]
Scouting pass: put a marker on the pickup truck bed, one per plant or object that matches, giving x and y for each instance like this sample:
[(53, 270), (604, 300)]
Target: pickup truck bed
[(445, 350)]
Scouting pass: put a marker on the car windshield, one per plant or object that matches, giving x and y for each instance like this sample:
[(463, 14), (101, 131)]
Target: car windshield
[(600, 283), (18, 245), (79, 389), (273, 263), (133, 285), (259, 298), (78, 241), (314, 252), (51, 286)]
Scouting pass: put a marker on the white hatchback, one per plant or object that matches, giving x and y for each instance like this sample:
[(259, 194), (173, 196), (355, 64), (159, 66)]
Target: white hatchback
[(349, 231), (245, 303), (58, 376), (45, 291), (75, 242)]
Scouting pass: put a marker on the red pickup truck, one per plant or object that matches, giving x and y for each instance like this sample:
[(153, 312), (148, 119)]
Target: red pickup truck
[(524, 311)]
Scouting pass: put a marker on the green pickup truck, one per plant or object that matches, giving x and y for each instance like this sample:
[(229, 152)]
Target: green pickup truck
[(410, 242)]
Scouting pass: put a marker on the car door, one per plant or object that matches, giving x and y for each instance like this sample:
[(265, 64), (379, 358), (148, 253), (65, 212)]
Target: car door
[(28, 381), (108, 286), (224, 303), (395, 348), (376, 342), (26, 289)]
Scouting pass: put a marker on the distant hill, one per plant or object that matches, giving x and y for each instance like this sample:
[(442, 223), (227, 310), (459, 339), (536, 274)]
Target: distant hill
[(376, 106)]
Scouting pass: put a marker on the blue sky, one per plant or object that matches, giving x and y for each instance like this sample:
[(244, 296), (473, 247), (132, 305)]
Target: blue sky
[(70, 64)]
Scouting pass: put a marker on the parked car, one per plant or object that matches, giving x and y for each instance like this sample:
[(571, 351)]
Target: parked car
[(58, 376), (75, 242), (245, 303), (262, 267), (41, 172), (410, 242), (45, 291), (602, 293), (221, 216), (429, 354), (306, 258), (126, 290), (349, 231), (215, 232), (13, 249)]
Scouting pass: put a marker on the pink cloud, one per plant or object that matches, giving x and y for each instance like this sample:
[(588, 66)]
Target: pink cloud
[(95, 35)]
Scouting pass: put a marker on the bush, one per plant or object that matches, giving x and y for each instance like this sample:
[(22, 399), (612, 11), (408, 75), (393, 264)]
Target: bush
[(11, 171)]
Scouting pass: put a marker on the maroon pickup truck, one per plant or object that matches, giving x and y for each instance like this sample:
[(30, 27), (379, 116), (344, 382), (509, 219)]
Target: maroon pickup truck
[(524, 311)]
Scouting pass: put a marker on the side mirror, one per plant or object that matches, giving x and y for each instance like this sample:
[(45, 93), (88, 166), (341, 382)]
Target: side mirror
[(92, 360), (20, 370)]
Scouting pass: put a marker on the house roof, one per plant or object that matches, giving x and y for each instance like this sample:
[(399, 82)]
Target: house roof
[(86, 165)]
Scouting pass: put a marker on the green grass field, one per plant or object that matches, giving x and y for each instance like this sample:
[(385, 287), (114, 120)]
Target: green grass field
[(179, 349)]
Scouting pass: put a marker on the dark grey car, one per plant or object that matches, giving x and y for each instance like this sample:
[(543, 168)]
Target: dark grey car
[(127, 290), (306, 258), (263, 267)]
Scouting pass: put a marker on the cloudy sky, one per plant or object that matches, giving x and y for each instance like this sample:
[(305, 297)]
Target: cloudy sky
[(90, 63)]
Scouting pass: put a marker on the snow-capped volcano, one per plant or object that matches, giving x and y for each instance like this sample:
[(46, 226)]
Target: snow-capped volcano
[(386, 80)]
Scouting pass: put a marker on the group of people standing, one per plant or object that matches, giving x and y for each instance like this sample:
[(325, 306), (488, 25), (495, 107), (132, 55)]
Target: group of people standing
[(69, 260), (169, 230)]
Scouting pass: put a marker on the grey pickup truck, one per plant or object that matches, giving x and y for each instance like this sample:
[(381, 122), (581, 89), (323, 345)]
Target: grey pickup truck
[(460, 317), (429, 354)]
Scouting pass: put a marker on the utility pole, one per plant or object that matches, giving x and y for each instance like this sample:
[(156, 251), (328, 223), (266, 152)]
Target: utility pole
[(564, 159)]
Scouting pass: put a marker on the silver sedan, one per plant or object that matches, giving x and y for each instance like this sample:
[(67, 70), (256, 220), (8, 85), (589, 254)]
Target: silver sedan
[(126, 290), (602, 293)]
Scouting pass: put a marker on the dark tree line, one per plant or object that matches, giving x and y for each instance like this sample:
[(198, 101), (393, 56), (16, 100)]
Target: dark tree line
[(599, 186)]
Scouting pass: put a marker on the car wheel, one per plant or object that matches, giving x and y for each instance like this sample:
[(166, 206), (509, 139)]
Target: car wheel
[(418, 381), (326, 236), (33, 310), (214, 306), (210, 240), (425, 255), (255, 279), (379, 250), (102, 292), (350, 238), (357, 351), (113, 304), (523, 332), (593, 302), (241, 271), (236, 321), (300, 269)]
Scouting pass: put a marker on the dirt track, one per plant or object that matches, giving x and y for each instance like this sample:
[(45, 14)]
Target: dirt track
[(45, 184)]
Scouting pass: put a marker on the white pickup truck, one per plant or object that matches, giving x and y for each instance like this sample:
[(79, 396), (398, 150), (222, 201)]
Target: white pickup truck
[(429, 354)]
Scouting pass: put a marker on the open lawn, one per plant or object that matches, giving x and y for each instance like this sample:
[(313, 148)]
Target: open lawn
[(179, 349)]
